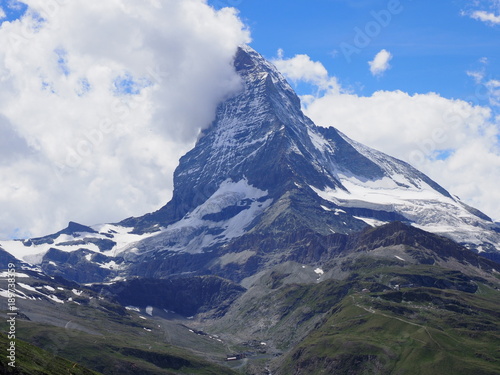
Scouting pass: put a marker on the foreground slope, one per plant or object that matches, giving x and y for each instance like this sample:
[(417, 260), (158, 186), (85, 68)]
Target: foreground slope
[(417, 330), (396, 300), (72, 329), (387, 300)]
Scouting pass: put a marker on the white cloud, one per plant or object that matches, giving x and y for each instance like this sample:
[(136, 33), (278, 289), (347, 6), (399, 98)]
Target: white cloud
[(380, 63), (302, 68), (478, 76), (487, 17), (488, 89), (2, 13), (94, 119), (493, 86), (484, 60)]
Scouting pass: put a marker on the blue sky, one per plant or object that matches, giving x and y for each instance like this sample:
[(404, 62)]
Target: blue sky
[(12, 10), (433, 43)]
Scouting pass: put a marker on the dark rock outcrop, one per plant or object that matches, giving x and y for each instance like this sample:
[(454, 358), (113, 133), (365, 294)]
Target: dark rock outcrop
[(186, 296)]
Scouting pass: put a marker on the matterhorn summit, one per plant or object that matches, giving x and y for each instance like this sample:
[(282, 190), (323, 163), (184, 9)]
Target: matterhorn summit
[(262, 186)]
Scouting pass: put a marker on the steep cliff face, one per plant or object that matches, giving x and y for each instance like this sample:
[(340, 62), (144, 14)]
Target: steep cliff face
[(185, 296), (262, 137), (265, 185)]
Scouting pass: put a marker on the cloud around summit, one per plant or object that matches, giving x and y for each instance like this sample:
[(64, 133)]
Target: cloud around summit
[(94, 119)]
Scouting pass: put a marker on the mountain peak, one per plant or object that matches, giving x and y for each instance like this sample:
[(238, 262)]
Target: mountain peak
[(263, 184), (261, 136), (258, 127), (254, 69)]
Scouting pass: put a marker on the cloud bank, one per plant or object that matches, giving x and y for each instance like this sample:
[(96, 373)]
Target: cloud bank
[(99, 100)]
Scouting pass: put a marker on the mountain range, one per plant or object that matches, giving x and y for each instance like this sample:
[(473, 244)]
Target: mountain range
[(292, 245)]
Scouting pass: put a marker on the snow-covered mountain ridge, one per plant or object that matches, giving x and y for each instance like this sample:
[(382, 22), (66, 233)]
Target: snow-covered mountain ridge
[(261, 172)]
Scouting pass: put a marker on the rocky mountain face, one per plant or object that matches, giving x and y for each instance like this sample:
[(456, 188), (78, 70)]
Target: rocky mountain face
[(186, 296), (262, 185), (280, 223)]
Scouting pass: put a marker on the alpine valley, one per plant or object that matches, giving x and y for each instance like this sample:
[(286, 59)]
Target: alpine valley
[(287, 248)]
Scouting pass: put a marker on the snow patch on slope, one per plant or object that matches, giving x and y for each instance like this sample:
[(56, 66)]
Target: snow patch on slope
[(122, 236), (318, 141), (371, 222), (422, 205), (196, 232), (33, 253)]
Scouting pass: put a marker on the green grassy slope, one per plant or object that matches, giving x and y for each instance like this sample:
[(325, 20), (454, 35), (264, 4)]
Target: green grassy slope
[(31, 360), (100, 335), (414, 330), (112, 354)]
